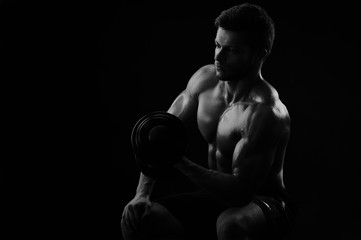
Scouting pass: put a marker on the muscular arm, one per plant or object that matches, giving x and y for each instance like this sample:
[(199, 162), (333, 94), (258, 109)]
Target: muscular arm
[(251, 161), (185, 108), (186, 104)]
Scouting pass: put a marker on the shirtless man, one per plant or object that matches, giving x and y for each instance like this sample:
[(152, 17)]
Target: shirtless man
[(247, 128)]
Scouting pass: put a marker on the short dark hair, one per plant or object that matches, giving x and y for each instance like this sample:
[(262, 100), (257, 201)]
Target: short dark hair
[(252, 20)]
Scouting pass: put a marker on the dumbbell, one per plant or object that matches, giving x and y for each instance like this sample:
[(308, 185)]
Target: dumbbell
[(159, 139)]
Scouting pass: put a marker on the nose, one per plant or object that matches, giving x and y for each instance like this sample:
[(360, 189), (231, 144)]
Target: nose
[(219, 54)]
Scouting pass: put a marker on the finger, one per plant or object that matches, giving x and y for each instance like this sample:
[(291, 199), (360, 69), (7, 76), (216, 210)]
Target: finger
[(133, 225), (124, 212), (123, 223), (126, 219), (146, 211), (137, 210)]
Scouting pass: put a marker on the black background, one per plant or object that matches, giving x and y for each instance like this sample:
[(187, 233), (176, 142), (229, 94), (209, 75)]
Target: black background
[(77, 76)]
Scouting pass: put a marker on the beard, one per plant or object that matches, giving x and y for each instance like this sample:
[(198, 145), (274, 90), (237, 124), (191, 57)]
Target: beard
[(233, 74)]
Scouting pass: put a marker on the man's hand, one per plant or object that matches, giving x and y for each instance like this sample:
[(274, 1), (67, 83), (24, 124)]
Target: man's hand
[(134, 211)]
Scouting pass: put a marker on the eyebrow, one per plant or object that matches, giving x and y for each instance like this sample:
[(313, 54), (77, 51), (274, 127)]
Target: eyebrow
[(233, 45)]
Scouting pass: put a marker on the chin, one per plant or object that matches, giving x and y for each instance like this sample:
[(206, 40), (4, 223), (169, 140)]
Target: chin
[(224, 77), (221, 76)]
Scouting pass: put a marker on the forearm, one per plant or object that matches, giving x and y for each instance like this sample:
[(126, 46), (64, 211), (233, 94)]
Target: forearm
[(227, 188), (145, 186)]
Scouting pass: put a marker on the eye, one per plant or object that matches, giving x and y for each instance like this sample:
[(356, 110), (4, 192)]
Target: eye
[(217, 45), (233, 49)]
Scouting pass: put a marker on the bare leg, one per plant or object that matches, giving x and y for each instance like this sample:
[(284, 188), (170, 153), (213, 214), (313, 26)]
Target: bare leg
[(241, 223), (159, 224)]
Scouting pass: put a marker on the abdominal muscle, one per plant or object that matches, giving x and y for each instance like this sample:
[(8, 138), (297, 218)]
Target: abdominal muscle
[(223, 163), (216, 160)]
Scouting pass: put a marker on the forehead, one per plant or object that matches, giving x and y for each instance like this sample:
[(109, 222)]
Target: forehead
[(230, 38)]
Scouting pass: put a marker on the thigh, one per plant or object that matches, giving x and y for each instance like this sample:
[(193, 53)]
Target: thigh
[(157, 223), (160, 221), (278, 216), (196, 211)]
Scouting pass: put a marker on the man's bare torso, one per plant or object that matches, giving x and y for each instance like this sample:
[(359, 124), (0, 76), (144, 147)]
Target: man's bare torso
[(223, 125)]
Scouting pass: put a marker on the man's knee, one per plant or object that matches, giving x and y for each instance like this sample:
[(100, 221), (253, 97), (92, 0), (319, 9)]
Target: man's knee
[(153, 217), (230, 225), (159, 221), (144, 226), (150, 220)]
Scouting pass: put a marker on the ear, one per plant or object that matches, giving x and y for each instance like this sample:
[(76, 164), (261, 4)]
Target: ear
[(262, 54)]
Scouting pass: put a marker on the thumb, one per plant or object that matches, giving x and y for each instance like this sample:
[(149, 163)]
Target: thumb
[(147, 210)]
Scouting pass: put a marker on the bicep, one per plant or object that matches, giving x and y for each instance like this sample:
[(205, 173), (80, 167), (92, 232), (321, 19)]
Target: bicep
[(186, 104), (184, 107), (251, 163), (253, 154)]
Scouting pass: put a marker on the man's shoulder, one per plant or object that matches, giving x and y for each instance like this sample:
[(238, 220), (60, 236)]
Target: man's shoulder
[(204, 78), (269, 118), (264, 92), (267, 104), (270, 110), (267, 98)]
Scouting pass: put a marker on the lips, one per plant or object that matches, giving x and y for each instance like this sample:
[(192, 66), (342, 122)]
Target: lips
[(219, 67)]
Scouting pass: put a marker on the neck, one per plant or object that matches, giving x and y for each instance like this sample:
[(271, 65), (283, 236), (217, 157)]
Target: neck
[(235, 91)]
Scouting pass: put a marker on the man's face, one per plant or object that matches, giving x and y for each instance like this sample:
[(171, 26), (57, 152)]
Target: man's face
[(233, 57)]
